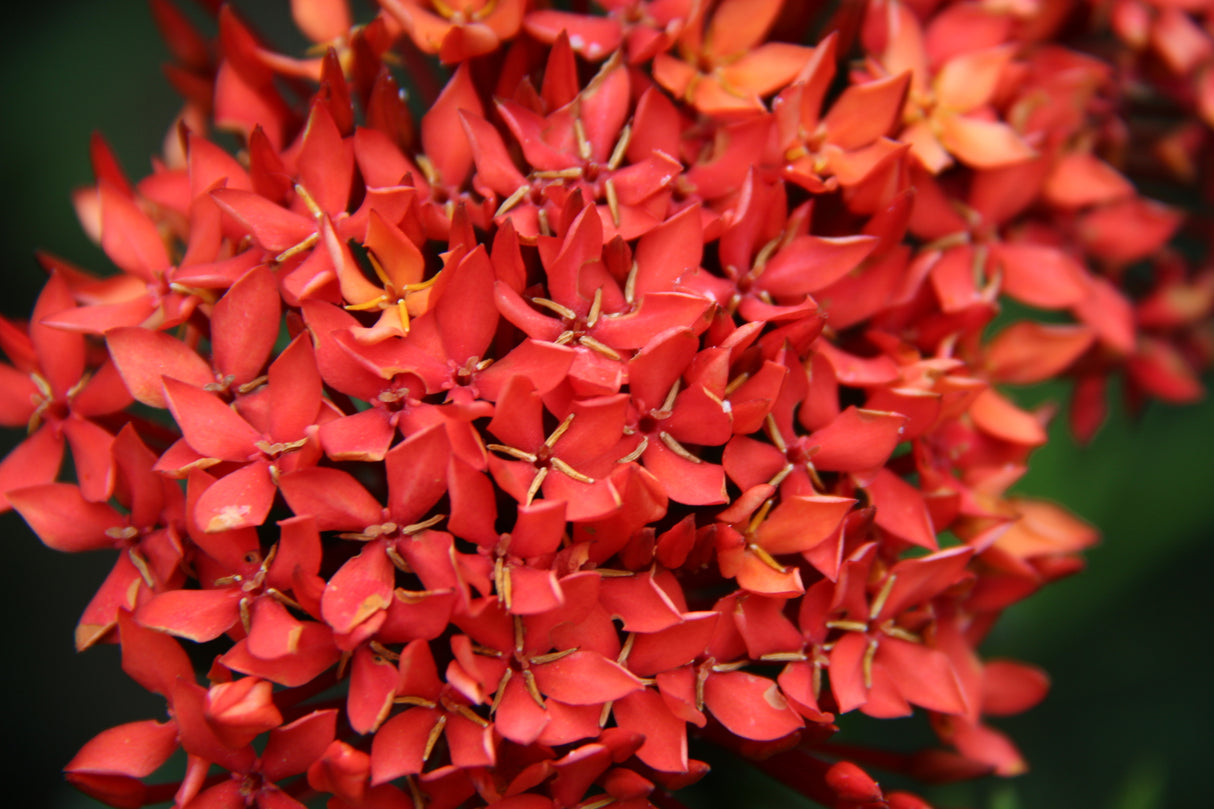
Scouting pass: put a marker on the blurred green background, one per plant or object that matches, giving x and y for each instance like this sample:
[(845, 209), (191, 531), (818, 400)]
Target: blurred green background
[(1129, 723)]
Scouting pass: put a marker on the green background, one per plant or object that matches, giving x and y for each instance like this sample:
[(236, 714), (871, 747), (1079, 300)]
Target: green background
[(1128, 644)]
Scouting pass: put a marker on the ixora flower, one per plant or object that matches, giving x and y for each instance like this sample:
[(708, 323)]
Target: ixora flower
[(643, 392)]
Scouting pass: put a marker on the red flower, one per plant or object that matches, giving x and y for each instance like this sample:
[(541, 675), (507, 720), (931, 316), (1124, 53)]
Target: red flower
[(610, 400)]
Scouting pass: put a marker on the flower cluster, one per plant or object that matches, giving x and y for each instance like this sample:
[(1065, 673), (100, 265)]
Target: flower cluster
[(642, 386)]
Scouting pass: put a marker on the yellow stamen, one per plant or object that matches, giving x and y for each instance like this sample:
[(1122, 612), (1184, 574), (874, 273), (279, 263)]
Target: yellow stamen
[(613, 201), (560, 309), (678, 449), (559, 431), (599, 347), (569, 471), (621, 148)]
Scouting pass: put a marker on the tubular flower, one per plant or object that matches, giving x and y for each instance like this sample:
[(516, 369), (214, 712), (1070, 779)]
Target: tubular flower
[(642, 392)]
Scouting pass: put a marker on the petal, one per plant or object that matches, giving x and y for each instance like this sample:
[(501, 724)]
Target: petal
[(63, 519), (800, 523), (143, 357), (198, 615), (750, 706), (398, 747), (361, 588), (856, 440), (665, 745), (209, 426), (983, 144), (240, 499), (244, 327), (585, 678)]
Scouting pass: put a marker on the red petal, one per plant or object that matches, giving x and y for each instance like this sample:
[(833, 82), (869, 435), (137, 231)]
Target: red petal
[(856, 440), (665, 745), (273, 227), (293, 747), (295, 390), (1042, 276), (136, 749), (585, 678), (673, 647), (199, 615), (750, 706), (143, 357), (209, 426), (373, 682), (639, 603), (244, 327), (398, 746), (239, 500), (417, 474), (128, 236), (63, 519), (800, 523), (360, 589), (518, 717), (1009, 687)]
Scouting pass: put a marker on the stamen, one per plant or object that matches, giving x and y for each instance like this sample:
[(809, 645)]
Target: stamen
[(779, 477), (512, 200), (847, 626), (637, 452), (735, 383), (559, 431), (621, 148), (879, 601), (759, 516), (558, 174), (428, 170), (501, 691), (766, 558), (677, 448), (552, 657), (784, 657), (520, 454), (534, 488), (432, 739), (596, 308), (569, 471), (420, 702), (626, 649), (869, 654), (383, 651), (560, 309), (469, 714), (764, 254), (613, 202), (773, 432), (630, 284), (668, 402), (418, 527), (533, 689), (898, 632), (397, 560), (310, 201), (296, 249), (373, 303), (583, 145), (599, 347), (604, 715), (141, 564)]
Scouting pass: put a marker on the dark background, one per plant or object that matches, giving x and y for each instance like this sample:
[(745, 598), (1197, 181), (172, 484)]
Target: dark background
[(1128, 724)]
